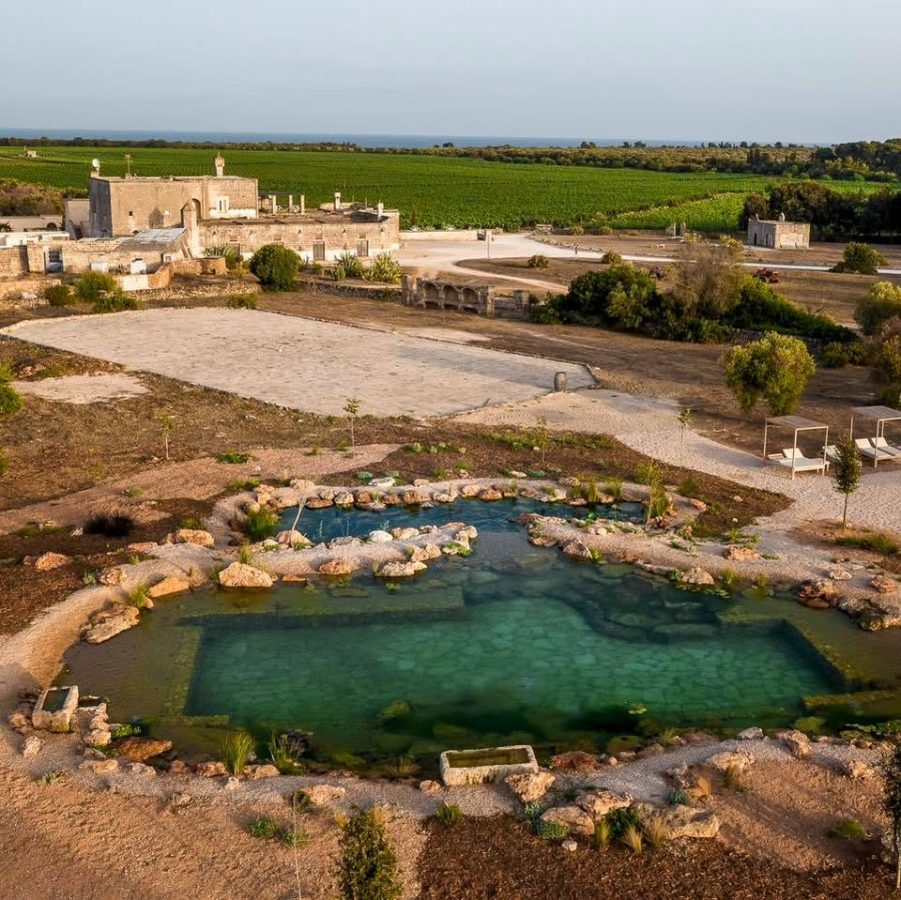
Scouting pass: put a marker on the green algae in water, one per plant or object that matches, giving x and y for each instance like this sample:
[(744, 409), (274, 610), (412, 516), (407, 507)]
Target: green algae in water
[(512, 645)]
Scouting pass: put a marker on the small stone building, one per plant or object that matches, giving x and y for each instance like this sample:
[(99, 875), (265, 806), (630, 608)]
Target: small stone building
[(778, 234)]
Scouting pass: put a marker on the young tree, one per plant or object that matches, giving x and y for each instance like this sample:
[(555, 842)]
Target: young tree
[(707, 277), (352, 407), (685, 417), (167, 426), (776, 369), (368, 866), (884, 352), (847, 471), (891, 774)]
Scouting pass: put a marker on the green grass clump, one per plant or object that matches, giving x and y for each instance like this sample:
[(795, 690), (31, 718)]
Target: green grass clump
[(284, 755), (114, 302), (233, 457), (550, 831), (449, 814), (138, 595), (236, 750), (265, 828), (242, 301), (874, 542), (261, 524), (848, 829)]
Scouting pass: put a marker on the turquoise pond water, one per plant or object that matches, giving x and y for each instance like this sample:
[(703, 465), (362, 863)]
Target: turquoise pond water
[(514, 643)]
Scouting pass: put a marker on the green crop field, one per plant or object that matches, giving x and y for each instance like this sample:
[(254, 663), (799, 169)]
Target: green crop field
[(431, 192)]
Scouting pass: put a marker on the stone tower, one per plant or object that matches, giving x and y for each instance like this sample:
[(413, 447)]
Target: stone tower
[(220, 165)]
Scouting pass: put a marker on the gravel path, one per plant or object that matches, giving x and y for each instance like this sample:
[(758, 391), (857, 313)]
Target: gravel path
[(84, 388)]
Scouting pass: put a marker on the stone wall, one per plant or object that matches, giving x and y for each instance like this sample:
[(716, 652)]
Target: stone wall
[(13, 261), (483, 300), (303, 234)]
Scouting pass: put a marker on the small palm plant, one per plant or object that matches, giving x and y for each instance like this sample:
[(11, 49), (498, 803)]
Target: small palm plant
[(352, 408)]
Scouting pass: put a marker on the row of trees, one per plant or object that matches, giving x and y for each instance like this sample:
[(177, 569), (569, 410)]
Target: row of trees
[(832, 214)]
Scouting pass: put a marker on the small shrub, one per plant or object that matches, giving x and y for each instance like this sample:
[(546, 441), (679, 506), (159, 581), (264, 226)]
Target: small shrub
[(128, 729), (59, 295), (404, 767), (611, 258), (242, 301), (90, 286), (837, 355), (49, 778), (299, 801), (112, 525), (550, 831), (602, 835), (353, 267), (849, 830), (874, 543), (233, 457), (385, 270), (266, 828), (138, 595), (338, 273), (294, 836), (860, 259), (10, 399), (231, 254), (261, 524), (622, 819), (448, 814), (538, 261), (368, 866), (701, 789), (689, 488), (656, 831), (236, 750), (633, 839), (677, 797), (276, 267), (613, 487), (114, 302)]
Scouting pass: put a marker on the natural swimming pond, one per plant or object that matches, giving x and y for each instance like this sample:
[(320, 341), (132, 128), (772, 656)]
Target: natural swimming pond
[(514, 644)]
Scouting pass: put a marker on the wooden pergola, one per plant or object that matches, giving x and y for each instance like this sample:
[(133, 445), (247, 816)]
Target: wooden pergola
[(797, 425), (881, 415)]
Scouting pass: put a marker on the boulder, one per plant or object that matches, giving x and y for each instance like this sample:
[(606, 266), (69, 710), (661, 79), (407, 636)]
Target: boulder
[(577, 550), (318, 503), (838, 573), (171, 584), (139, 749), (598, 803), (211, 769), (430, 787), (426, 553), (257, 773), (98, 737), (540, 540), (741, 554), (100, 766), (750, 734), (682, 821), (46, 562), (20, 722), (240, 575), (109, 622), (179, 767), (576, 761), (404, 534), (324, 794), (338, 567), (574, 818), (696, 576), (569, 845), (344, 498), (797, 742), (723, 761), (194, 536), (530, 787), (470, 490), (820, 593), (292, 538), (857, 769), (142, 547), (490, 495), (32, 746), (140, 770), (413, 498), (401, 569), (466, 532), (380, 537), (880, 583)]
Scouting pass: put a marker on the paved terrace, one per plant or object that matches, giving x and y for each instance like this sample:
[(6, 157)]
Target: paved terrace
[(304, 364)]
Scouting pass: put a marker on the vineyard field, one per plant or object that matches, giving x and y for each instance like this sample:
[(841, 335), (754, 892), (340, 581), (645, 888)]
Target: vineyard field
[(431, 192)]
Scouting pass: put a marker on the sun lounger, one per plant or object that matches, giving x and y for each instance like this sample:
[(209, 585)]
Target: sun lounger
[(883, 445), (831, 452), (865, 445)]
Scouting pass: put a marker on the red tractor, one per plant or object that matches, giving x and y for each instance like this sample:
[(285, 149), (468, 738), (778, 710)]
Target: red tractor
[(767, 276)]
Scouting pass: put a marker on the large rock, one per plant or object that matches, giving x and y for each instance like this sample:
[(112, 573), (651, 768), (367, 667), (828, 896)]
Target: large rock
[(140, 749), (265, 770), (857, 769), (171, 584), (722, 762), (741, 554), (338, 567), (195, 536), (240, 575), (576, 761), (598, 803), (797, 742), (880, 583), (424, 554), (109, 622), (46, 562), (682, 821), (577, 550), (696, 576), (401, 569), (531, 786), (490, 495), (380, 537), (211, 769), (574, 818), (32, 746), (292, 538), (750, 734), (820, 593), (324, 794)]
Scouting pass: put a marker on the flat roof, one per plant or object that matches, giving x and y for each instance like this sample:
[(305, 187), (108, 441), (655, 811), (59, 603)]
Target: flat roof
[(882, 413), (798, 423)]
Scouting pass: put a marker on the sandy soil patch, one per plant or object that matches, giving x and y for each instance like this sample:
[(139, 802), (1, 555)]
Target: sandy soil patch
[(84, 388), (304, 364), (453, 335)]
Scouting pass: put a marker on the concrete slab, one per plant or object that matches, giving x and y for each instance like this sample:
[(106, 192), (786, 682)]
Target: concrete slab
[(305, 364)]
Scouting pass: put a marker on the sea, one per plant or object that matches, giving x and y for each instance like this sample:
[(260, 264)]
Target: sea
[(404, 141)]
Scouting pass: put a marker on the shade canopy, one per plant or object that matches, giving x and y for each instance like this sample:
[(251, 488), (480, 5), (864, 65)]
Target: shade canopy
[(881, 415), (796, 424)]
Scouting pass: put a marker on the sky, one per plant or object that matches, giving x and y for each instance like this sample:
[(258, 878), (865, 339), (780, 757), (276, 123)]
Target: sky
[(796, 70)]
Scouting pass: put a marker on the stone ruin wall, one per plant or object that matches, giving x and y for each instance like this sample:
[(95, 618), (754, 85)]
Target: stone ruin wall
[(483, 300)]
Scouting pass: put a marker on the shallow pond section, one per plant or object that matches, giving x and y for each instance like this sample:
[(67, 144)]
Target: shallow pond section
[(514, 644)]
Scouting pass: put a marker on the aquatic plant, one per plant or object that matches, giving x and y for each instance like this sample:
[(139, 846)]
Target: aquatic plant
[(368, 868), (448, 814), (236, 750)]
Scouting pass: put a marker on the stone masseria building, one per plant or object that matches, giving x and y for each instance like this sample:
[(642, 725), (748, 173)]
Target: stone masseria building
[(778, 234), (219, 209)]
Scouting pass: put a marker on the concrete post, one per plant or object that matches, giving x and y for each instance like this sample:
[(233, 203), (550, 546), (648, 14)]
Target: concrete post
[(303, 204)]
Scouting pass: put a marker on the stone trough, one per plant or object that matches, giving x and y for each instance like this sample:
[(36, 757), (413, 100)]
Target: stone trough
[(466, 767), (55, 709)]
